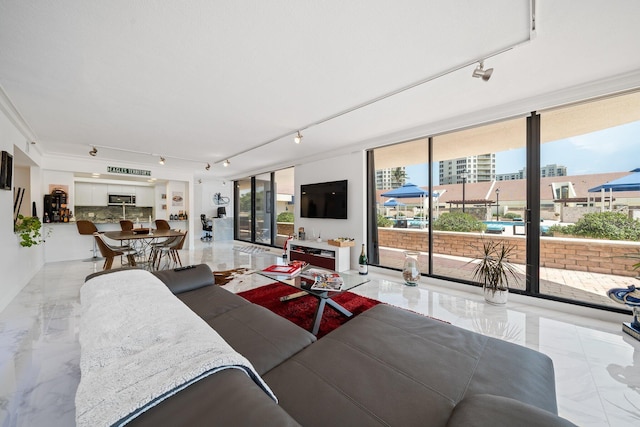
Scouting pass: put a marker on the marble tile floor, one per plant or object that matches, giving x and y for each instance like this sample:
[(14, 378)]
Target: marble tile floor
[(597, 366)]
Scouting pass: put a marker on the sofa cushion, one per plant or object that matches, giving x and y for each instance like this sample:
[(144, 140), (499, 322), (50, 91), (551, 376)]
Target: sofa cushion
[(389, 366), (261, 336), (485, 410)]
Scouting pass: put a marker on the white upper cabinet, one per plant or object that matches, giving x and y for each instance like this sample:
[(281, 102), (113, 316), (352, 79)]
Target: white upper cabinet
[(87, 194), (145, 196)]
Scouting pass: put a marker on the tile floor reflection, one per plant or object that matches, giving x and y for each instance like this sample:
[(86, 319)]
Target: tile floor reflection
[(597, 366)]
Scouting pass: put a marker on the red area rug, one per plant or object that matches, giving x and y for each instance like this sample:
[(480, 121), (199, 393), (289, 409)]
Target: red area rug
[(301, 310)]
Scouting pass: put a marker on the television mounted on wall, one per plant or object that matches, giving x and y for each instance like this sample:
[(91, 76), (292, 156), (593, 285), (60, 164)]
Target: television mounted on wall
[(324, 200)]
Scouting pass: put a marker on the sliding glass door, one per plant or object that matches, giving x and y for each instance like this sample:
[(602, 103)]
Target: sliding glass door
[(590, 197), (264, 208), (481, 195), (244, 210)]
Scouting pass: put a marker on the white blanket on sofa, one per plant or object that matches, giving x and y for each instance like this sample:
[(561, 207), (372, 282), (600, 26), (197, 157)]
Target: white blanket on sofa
[(140, 345)]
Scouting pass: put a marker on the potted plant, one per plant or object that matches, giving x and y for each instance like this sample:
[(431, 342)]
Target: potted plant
[(494, 270), (28, 227)]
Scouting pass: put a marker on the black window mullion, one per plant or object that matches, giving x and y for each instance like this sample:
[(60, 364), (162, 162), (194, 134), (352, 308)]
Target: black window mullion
[(533, 204)]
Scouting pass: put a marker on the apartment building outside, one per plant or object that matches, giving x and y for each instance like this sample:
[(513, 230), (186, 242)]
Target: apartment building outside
[(479, 168)]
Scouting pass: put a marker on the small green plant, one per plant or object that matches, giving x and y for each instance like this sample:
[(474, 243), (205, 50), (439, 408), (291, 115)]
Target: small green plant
[(384, 221), (458, 221), (28, 227), (285, 216), (494, 269)]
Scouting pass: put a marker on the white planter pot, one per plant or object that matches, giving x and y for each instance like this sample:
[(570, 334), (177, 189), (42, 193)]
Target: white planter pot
[(497, 297)]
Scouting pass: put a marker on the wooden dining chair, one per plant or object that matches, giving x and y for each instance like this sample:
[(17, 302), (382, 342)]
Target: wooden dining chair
[(162, 224), (126, 225), (110, 252), (169, 251)]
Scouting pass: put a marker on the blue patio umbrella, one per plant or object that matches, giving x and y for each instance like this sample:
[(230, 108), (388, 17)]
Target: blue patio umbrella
[(629, 182), (407, 191), (392, 203)]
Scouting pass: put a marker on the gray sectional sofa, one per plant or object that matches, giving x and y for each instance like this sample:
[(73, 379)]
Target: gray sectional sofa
[(386, 367)]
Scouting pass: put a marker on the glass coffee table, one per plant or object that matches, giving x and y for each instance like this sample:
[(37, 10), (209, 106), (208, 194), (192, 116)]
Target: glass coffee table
[(302, 283)]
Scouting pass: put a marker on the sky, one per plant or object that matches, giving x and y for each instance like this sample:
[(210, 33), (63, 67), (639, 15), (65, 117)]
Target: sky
[(615, 149)]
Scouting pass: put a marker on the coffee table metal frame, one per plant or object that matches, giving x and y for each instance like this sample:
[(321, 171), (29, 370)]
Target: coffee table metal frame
[(324, 297)]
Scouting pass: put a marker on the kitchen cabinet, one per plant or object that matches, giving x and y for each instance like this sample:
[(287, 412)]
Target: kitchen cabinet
[(121, 189), (145, 196), (87, 194), (84, 194)]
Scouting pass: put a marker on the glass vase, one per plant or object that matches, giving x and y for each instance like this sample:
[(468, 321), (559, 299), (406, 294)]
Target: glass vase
[(411, 268)]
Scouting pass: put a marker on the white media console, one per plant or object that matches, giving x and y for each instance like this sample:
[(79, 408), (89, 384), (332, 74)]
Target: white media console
[(320, 254)]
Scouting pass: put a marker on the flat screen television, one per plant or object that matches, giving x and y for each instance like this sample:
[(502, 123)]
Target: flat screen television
[(324, 200)]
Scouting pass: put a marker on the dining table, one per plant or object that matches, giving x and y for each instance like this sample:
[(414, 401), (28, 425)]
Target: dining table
[(142, 240)]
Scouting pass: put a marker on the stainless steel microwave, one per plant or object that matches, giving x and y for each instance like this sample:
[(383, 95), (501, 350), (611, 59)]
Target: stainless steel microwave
[(119, 199)]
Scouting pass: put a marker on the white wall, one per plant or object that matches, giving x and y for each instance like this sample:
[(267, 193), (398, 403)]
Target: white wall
[(352, 168), (204, 193), (17, 264)]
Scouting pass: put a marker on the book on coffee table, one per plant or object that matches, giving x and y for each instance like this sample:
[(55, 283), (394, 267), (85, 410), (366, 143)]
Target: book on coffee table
[(291, 269), (323, 280)]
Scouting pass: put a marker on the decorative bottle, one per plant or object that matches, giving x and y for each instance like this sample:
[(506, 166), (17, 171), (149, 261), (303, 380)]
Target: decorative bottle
[(363, 267), (411, 268)]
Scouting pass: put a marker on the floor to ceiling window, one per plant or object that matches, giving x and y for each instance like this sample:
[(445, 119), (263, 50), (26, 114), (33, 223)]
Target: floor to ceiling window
[(548, 184), (262, 203), (586, 150), (481, 185), (401, 182), (244, 210), (284, 205)]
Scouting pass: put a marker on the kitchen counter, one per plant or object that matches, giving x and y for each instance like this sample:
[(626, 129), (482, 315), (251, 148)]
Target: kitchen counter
[(64, 243)]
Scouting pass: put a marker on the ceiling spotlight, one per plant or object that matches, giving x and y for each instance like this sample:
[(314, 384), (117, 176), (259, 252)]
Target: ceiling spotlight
[(207, 167), (93, 151), (226, 163), (480, 72), (298, 138), (161, 160)]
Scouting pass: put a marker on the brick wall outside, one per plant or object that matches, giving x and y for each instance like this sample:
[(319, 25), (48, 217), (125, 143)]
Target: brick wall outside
[(285, 228), (596, 256)]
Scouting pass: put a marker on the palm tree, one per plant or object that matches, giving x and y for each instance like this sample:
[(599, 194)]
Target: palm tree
[(398, 177)]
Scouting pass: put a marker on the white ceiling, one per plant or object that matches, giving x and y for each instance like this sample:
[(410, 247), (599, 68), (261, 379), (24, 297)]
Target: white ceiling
[(205, 80)]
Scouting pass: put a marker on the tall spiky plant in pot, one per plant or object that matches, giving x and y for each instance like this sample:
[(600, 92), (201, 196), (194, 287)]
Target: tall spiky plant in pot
[(494, 270)]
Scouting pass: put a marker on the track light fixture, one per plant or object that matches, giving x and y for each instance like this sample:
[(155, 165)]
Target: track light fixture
[(93, 152), (161, 160), (207, 167), (298, 138), (480, 72), (226, 163)]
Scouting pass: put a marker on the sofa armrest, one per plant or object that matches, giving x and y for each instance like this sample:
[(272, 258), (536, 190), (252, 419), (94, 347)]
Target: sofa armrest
[(186, 278), (486, 410)]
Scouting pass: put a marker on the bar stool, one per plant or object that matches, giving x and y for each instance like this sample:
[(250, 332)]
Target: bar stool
[(87, 228)]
